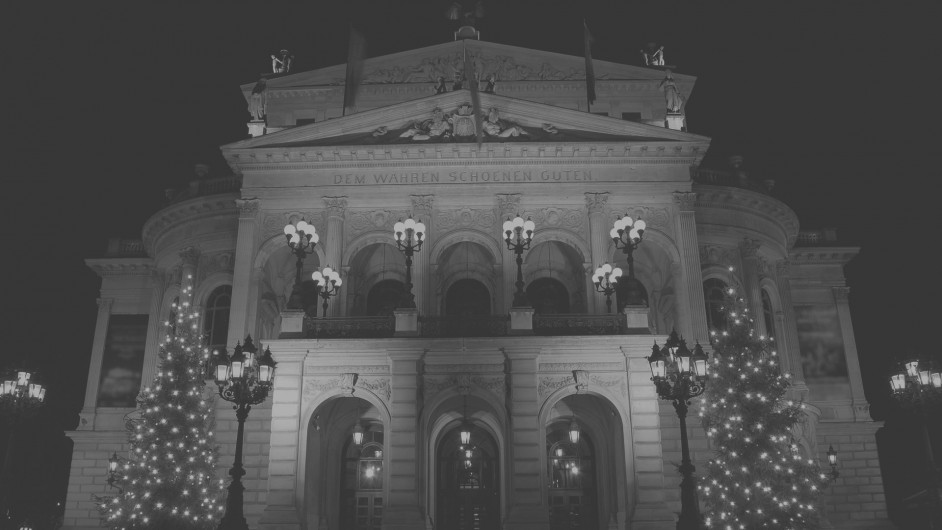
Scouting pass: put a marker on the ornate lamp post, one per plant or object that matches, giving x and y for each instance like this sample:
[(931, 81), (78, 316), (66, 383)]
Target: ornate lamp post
[(245, 380), (604, 279), (21, 396), (518, 234), (917, 386), (627, 235), (302, 238), (680, 376), (327, 282), (409, 237)]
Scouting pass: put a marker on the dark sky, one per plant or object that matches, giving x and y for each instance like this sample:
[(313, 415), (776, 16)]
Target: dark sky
[(108, 104)]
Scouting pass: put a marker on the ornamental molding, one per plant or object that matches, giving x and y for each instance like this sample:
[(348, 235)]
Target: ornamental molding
[(248, 208), (565, 218), (362, 221), (483, 219), (333, 88), (656, 217), (496, 384), (782, 268), (274, 222), (762, 265), (508, 204), (422, 203), (470, 368), (189, 256), (381, 386), (751, 202), (347, 383), (610, 383), (819, 255), (570, 367), (596, 202), (685, 200), (189, 211), (122, 266), (717, 255), (354, 368), (335, 206), (212, 263), (841, 293), (550, 384), (749, 248)]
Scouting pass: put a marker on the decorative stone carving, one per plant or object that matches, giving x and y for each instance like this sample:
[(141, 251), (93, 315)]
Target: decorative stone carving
[(552, 217), (495, 384), (422, 203), (213, 263), (347, 381), (762, 265), (335, 206), (552, 383), (570, 367), (716, 255), (685, 200), (469, 368), (274, 223), (377, 385), (502, 67), (190, 256), (314, 386), (748, 248), (610, 382), (654, 217), (359, 369), (484, 220), (247, 207), (463, 382), (782, 268), (508, 204), (596, 202), (368, 221), (582, 381)]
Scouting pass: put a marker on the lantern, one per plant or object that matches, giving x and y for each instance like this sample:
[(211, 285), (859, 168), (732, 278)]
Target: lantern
[(574, 432), (358, 434), (658, 366), (898, 382), (700, 361)]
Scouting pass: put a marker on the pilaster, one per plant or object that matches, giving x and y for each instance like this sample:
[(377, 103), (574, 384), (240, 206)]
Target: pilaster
[(422, 209), (155, 322), (242, 273), (690, 288), (748, 251), (403, 511), (596, 206), (333, 244), (860, 404), (94, 367), (791, 354)]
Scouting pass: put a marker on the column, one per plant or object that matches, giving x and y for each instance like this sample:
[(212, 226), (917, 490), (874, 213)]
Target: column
[(242, 273), (402, 509), (690, 290), (788, 342), (861, 407), (156, 329), (421, 278), (94, 367), (526, 510), (596, 204), (508, 205), (748, 251), (333, 244), (251, 315)]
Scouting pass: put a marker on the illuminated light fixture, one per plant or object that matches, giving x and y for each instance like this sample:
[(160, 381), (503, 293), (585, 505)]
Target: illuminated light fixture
[(657, 363), (898, 382), (574, 432), (465, 433), (409, 237), (912, 367), (518, 234), (358, 434)]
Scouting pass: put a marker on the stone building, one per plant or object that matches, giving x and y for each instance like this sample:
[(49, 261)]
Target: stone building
[(410, 380)]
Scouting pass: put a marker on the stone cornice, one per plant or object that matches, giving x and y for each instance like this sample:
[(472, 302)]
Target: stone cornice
[(752, 202), (121, 266), (822, 255), (186, 212)]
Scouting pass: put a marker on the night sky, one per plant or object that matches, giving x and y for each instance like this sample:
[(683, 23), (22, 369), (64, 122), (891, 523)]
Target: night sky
[(108, 105)]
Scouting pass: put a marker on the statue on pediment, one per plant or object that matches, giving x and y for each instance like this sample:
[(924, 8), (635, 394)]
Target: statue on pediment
[(653, 55), (671, 95), (440, 88), (490, 84), (281, 63), (550, 73), (258, 100), (462, 121), (494, 126), (437, 126)]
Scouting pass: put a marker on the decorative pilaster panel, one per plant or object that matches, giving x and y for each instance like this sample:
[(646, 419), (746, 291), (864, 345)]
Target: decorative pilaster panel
[(242, 273), (788, 343), (155, 326), (861, 406), (691, 280), (748, 251), (402, 509), (596, 205), (527, 510), (94, 370), (507, 207), (421, 277), (333, 244)]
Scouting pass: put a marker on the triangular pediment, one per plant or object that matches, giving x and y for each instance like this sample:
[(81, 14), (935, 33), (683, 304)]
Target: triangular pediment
[(508, 63), (415, 122)]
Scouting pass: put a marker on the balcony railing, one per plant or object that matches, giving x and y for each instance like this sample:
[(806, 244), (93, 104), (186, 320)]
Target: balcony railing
[(349, 327), (125, 248), (464, 326), (198, 188), (580, 324), (811, 238), (715, 177)]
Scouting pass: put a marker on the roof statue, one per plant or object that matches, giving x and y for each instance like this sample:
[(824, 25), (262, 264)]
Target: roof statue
[(281, 63), (258, 101), (671, 95), (653, 55), (468, 17)]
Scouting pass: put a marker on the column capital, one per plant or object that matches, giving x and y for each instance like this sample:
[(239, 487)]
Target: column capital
[(685, 200), (104, 304), (336, 206), (422, 203), (782, 268), (190, 256), (748, 248), (841, 293), (596, 202), (508, 204), (248, 208)]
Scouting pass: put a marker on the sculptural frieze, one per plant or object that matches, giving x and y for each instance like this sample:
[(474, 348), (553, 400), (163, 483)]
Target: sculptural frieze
[(484, 219), (565, 218), (654, 217), (550, 384), (210, 264), (274, 222), (378, 385), (358, 222), (485, 66)]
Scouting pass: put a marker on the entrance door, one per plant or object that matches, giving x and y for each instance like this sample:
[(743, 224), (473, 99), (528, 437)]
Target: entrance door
[(468, 493), (572, 499), (362, 501)]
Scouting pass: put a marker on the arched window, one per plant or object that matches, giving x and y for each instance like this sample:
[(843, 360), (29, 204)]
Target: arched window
[(714, 294), (548, 296), (384, 297), (467, 298), (768, 315), (216, 317)]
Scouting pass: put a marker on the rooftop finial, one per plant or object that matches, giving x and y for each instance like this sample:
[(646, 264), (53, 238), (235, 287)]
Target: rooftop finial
[(468, 17)]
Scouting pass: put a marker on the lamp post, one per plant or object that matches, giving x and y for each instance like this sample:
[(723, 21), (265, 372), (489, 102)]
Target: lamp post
[(917, 386), (327, 282), (680, 376), (244, 380), (21, 396), (302, 238), (409, 237), (518, 234), (604, 279), (627, 234)]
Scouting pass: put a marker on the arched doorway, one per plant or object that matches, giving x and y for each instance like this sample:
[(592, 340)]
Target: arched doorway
[(361, 498), (548, 296), (468, 482), (384, 297), (573, 501), (467, 297)]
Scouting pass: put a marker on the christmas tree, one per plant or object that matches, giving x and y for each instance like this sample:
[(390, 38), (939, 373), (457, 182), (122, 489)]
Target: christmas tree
[(168, 481), (757, 477)]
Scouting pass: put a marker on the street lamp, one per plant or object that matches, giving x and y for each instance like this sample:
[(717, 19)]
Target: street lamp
[(113, 464), (680, 375), (21, 396), (409, 237), (832, 461), (604, 279), (302, 238), (627, 234), (327, 282), (245, 380), (518, 234), (917, 385)]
